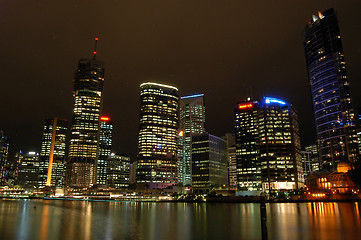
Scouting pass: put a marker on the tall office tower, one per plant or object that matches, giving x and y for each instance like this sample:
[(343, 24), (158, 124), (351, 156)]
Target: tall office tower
[(84, 141), (332, 105), (310, 160), (209, 163), (28, 169), (267, 146), (52, 155), (4, 150), (118, 170), (232, 160), (105, 148), (180, 160), (192, 118), (158, 130)]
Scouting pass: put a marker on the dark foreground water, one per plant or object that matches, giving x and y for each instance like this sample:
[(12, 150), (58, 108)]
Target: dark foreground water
[(55, 219)]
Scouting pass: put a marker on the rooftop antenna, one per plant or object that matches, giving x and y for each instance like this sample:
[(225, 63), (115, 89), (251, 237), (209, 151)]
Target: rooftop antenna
[(95, 48)]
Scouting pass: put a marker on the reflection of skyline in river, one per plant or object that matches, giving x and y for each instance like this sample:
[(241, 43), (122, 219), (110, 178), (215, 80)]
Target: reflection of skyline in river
[(46, 219)]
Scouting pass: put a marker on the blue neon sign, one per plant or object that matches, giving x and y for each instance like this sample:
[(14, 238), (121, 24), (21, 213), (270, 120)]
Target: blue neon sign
[(193, 96), (269, 100)]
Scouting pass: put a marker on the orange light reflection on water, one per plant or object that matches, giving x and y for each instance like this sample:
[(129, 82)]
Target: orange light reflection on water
[(44, 223)]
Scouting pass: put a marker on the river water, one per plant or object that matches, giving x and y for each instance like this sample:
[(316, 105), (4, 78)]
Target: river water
[(56, 219)]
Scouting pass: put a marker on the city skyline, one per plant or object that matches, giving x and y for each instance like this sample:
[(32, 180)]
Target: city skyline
[(180, 119), (224, 79)]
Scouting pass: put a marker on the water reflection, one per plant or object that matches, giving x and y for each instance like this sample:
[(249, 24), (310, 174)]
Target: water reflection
[(46, 219)]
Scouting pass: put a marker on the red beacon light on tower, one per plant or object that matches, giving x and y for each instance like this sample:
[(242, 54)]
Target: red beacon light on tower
[(105, 119), (95, 47), (245, 106)]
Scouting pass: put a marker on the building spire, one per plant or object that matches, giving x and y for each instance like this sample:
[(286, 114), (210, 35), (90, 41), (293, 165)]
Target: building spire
[(95, 48)]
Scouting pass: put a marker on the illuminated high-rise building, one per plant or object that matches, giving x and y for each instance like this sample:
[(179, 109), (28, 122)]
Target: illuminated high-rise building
[(105, 148), (87, 99), (52, 155), (267, 146), (28, 169), (332, 105), (192, 118), (209, 163), (118, 171), (310, 160), (158, 130), (4, 150)]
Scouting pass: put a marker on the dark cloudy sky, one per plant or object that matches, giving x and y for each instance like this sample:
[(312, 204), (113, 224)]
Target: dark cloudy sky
[(219, 48)]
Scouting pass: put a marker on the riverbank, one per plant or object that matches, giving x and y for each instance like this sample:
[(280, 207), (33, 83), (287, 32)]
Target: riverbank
[(197, 200)]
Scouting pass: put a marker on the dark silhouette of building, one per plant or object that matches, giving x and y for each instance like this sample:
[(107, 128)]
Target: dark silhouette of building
[(209, 163), (4, 151), (232, 160)]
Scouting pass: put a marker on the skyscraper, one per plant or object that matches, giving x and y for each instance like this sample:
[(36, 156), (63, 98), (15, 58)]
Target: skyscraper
[(192, 120), (83, 149), (209, 163), (105, 148), (267, 146), (28, 169), (4, 150), (118, 170), (332, 105), (52, 155), (158, 129)]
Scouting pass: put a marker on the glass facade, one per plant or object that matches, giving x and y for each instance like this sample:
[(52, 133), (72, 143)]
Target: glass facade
[(192, 121), (332, 105), (209, 163), (310, 160), (105, 148), (158, 130), (247, 116), (52, 155), (267, 146), (27, 169), (118, 170), (84, 141)]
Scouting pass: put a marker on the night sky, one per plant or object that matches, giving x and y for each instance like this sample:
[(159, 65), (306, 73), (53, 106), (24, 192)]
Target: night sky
[(219, 48)]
